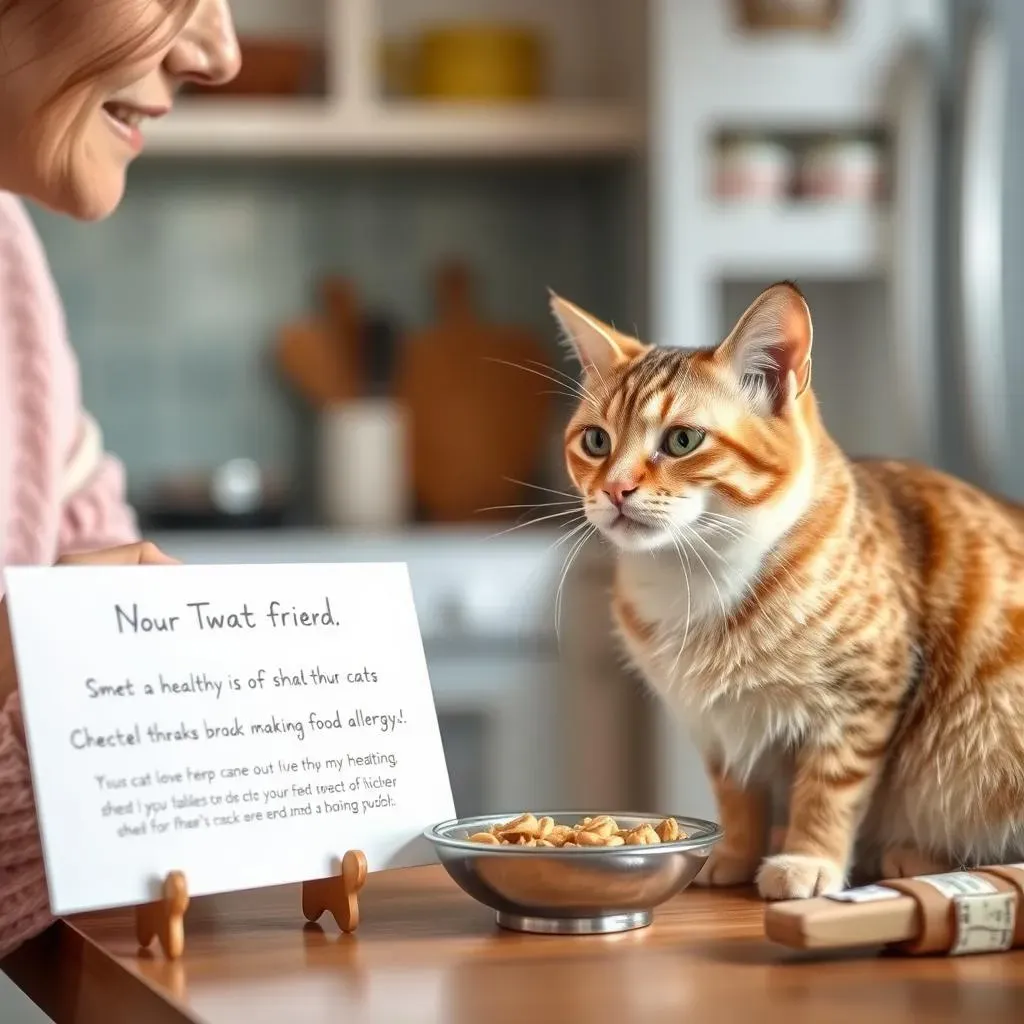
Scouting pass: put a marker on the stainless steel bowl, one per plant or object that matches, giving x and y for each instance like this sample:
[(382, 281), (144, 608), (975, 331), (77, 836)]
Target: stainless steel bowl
[(583, 891)]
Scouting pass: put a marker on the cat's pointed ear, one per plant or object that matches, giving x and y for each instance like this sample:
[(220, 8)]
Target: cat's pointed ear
[(597, 346), (769, 349)]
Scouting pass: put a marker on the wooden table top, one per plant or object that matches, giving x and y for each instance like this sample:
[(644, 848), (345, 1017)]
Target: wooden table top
[(427, 953)]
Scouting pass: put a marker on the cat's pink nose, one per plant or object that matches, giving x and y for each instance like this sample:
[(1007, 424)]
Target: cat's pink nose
[(619, 492)]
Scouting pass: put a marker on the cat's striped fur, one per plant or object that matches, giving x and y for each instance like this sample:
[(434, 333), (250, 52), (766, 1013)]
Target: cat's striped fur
[(856, 628)]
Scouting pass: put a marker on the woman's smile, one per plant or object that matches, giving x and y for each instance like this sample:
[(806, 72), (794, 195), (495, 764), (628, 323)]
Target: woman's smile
[(81, 79), (126, 121)]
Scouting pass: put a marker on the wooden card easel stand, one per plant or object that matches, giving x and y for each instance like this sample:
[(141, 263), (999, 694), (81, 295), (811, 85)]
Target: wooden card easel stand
[(164, 919), (338, 894)]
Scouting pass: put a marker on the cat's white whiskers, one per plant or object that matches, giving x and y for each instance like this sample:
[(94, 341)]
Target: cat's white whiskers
[(562, 389), (737, 527), (576, 390), (721, 517), (727, 567), (537, 487), (686, 578), (709, 522), (576, 549), (533, 505), (777, 560), (533, 522), (719, 532), (569, 534), (731, 522), (704, 520), (572, 381), (711, 577), (601, 379)]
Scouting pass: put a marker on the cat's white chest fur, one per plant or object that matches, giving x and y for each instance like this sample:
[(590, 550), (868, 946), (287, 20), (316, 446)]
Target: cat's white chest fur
[(702, 581), (712, 680), (686, 600)]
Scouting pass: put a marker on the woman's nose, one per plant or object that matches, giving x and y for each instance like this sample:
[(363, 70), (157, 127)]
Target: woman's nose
[(207, 50)]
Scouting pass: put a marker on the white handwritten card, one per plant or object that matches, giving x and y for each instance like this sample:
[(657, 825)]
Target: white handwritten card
[(243, 724)]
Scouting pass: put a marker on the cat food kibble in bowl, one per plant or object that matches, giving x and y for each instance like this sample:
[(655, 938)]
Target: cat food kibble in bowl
[(602, 830), (573, 872)]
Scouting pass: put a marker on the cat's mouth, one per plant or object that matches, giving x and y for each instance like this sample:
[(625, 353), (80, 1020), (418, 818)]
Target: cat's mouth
[(633, 534), (625, 523), (629, 532)]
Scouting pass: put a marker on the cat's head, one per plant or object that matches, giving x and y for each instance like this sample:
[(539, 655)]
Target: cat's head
[(668, 441)]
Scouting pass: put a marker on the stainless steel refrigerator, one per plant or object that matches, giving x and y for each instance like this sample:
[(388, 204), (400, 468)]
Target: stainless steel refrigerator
[(980, 244)]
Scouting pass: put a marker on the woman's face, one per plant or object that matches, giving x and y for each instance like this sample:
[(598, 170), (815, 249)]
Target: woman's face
[(80, 80)]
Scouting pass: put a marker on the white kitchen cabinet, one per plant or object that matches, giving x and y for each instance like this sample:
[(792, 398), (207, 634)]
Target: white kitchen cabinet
[(863, 265)]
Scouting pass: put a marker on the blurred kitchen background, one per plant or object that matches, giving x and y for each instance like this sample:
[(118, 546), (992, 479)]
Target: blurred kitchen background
[(296, 330)]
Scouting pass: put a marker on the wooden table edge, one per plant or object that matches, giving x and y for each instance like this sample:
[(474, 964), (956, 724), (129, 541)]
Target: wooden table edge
[(74, 980)]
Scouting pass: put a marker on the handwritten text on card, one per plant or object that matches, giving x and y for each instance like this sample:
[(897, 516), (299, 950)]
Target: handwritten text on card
[(243, 724)]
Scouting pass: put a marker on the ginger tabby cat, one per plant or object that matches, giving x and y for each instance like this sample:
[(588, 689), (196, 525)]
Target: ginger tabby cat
[(854, 628)]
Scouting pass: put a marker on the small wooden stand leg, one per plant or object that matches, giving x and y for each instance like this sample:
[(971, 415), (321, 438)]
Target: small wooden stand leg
[(339, 894), (165, 919)]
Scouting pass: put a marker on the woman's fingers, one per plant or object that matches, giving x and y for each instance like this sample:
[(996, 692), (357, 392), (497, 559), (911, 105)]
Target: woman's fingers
[(142, 553)]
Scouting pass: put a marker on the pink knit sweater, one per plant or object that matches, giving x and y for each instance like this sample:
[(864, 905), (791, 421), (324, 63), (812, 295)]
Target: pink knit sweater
[(59, 493)]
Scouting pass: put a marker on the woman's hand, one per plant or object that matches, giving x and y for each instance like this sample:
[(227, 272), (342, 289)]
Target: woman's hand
[(142, 553)]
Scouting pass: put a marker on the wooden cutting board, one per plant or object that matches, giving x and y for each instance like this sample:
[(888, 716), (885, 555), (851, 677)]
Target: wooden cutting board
[(475, 424)]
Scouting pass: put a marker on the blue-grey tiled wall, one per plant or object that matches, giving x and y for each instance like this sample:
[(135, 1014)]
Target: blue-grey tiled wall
[(174, 302)]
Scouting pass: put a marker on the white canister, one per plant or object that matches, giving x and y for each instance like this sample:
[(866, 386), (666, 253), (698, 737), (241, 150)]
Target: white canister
[(364, 465), (844, 170), (751, 168)]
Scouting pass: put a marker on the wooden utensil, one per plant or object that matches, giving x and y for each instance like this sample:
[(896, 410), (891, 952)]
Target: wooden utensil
[(477, 424), (346, 326), (320, 356)]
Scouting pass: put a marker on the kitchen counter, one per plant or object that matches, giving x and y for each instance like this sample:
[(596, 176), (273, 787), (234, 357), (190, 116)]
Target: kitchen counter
[(427, 953), (315, 543), (466, 580)]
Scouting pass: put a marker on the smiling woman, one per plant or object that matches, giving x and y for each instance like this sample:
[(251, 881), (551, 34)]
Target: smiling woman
[(79, 79)]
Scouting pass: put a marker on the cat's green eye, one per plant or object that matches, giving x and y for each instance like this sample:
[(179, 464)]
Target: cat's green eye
[(596, 442), (680, 441)]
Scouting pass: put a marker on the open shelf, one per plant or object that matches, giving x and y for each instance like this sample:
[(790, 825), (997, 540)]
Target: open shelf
[(763, 78), (397, 129), (848, 89), (591, 104), (802, 239)]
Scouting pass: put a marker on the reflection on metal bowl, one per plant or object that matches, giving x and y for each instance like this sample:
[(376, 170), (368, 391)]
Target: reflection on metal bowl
[(582, 891)]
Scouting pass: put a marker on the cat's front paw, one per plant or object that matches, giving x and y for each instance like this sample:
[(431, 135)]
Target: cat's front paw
[(723, 869), (798, 876)]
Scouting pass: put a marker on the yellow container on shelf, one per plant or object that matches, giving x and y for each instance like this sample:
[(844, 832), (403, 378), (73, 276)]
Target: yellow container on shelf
[(487, 62)]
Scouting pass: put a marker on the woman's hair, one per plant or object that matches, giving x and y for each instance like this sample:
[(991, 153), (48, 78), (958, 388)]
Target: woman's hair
[(124, 43)]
